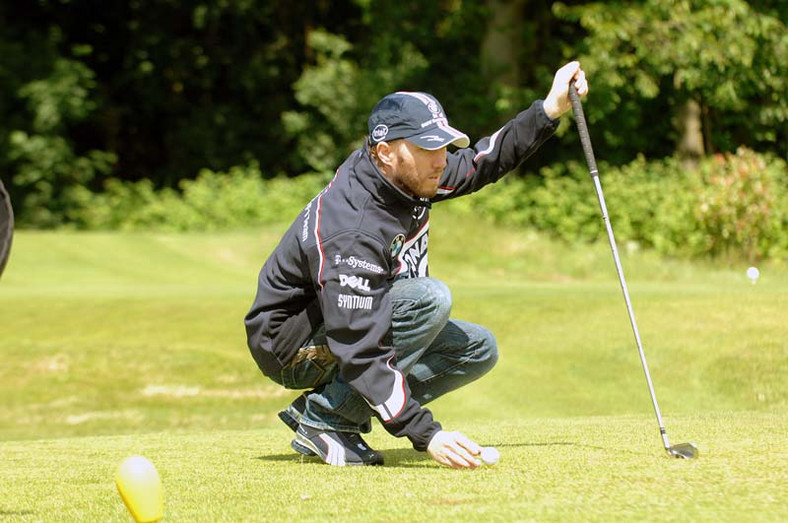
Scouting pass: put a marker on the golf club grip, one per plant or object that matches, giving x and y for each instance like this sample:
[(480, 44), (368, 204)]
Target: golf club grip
[(582, 129)]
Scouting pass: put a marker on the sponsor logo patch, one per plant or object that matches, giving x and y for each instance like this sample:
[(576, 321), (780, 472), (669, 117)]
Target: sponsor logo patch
[(380, 132), (354, 282), (413, 259), (349, 301), (358, 263), (396, 245), (436, 121)]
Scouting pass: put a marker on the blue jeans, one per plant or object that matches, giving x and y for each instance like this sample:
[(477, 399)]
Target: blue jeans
[(436, 353)]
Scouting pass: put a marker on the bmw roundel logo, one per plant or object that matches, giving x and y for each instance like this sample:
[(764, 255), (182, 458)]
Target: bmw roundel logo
[(396, 245)]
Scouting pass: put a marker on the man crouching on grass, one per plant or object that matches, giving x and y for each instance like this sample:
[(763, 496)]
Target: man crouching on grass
[(345, 306)]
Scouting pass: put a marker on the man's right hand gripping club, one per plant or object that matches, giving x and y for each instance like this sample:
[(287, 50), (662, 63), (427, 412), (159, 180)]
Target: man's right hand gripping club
[(454, 450)]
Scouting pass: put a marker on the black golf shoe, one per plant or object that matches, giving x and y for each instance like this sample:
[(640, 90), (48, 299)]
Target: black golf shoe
[(299, 405), (335, 448)]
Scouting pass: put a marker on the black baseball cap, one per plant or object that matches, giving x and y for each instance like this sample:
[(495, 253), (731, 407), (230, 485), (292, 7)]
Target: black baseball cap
[(417, 117)]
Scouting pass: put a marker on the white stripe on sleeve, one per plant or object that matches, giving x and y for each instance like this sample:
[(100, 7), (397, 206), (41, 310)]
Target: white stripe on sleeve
[(490, 147), (391, 408)]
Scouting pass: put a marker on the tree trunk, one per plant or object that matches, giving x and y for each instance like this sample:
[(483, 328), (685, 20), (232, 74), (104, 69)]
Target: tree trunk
[(499, 48), (690, 146)]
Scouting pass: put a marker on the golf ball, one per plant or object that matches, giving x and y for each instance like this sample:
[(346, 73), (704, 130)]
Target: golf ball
[(753, 273), (490, 455)]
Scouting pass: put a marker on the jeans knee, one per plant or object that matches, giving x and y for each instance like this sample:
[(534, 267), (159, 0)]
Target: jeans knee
[(440, 296), (488, 348)]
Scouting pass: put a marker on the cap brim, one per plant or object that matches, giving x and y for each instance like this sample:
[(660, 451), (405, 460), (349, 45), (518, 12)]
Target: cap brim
[(440, 136)]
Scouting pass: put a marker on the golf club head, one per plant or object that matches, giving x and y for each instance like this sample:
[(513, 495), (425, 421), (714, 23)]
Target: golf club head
[(683, 451)]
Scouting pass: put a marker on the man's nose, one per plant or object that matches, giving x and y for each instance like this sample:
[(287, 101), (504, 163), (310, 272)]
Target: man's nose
[(439, 160)]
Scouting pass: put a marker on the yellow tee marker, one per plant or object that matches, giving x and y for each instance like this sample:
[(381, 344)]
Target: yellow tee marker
[(140, 487)]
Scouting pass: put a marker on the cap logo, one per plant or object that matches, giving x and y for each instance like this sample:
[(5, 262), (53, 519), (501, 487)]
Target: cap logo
[(380, 132)]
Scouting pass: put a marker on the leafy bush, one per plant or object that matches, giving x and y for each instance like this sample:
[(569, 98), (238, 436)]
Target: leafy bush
[(336, 95), (47, 168), (731, 205), (742, 205), (213, 201)]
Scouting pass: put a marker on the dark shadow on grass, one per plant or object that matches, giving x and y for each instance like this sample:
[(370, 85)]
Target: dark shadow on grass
[(11, 512), (409, 458), (403, 458)]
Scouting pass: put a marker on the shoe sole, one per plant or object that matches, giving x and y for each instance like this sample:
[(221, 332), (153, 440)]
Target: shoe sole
[(301, 449)]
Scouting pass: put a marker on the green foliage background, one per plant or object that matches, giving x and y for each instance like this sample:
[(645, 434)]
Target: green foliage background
[(189, 116), (731, 207)]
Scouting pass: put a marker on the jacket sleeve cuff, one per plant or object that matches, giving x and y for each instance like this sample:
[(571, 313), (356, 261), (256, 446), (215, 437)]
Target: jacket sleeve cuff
[(421, 442), (553, 121)]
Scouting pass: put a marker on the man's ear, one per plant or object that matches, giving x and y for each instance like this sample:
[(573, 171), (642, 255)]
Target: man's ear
[(385, 153)]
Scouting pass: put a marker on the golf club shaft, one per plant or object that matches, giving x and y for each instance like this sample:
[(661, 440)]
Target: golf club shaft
[(6, 226), (585, 139)]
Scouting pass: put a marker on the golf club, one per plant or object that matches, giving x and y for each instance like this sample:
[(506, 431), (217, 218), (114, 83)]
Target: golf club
[(681, 450), (6, 226)]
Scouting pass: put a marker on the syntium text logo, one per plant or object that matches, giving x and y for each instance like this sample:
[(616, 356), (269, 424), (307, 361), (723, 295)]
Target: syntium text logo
[(351, 301)]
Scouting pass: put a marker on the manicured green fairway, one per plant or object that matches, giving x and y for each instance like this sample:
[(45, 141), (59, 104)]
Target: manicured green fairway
[(572, 469), (123, 344)]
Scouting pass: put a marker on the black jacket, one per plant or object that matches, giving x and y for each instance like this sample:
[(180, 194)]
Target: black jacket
[(336, 263)]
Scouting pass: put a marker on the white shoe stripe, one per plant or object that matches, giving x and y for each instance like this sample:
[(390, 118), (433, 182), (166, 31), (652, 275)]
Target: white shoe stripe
[(336, 452)]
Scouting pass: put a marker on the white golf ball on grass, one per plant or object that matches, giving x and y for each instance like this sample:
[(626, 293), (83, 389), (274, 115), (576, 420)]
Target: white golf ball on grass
[(753, 273), (490, 455)]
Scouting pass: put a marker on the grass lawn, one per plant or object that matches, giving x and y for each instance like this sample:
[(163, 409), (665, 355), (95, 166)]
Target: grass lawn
[(117, 344), (560, 469)]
